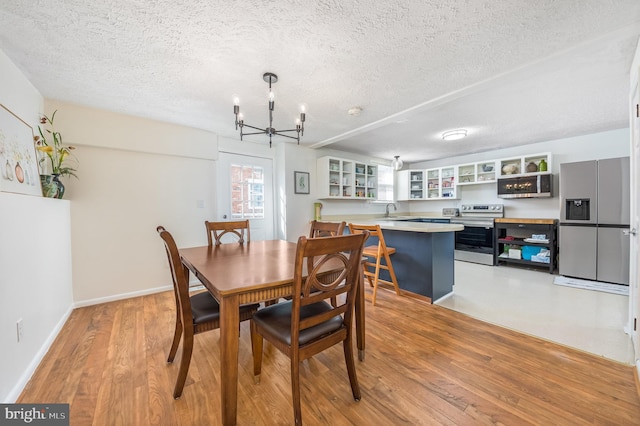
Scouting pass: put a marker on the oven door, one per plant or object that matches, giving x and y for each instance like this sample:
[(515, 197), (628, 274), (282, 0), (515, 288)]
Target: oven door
[(475, 242)]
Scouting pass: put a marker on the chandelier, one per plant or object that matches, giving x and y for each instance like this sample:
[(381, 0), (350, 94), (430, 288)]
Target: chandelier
[(270, 131)]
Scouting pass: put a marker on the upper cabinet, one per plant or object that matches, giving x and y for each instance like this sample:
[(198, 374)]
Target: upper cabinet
[(346, 179), (481, 172), (411, 185), (528, 164), (431, 184)]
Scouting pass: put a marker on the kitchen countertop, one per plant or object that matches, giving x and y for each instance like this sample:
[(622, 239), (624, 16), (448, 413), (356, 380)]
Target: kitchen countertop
[(525, 220), (397, 224)]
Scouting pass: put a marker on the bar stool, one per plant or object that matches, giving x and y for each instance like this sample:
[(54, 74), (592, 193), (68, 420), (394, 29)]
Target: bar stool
[(371, 270)]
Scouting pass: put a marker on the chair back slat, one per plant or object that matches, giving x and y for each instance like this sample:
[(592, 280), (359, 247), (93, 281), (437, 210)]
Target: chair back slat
[(237, 228)]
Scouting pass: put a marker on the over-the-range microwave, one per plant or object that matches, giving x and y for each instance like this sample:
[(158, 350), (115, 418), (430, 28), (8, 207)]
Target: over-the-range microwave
[(532, 186)]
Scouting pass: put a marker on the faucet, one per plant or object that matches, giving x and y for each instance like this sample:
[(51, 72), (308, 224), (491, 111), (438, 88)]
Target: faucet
[(386, 209)]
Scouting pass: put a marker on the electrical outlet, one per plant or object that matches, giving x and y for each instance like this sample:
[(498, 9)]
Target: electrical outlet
[(20, 330)]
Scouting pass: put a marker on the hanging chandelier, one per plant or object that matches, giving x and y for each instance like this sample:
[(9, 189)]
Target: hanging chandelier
[(270, 131)]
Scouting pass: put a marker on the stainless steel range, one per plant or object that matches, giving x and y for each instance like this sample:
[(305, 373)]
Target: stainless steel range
[(475, 242)]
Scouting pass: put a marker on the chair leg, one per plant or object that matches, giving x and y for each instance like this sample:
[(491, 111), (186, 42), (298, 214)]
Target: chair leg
[(256, 350), (351, 368), (375, 282), (176, 339), (394, 280), (187, 350), (295, 390)]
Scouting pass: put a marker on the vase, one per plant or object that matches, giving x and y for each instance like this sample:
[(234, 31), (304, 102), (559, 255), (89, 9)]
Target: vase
[(19, 172), (51, 186)]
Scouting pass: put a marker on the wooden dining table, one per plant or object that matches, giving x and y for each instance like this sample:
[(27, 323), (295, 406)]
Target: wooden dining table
[(253, 272)]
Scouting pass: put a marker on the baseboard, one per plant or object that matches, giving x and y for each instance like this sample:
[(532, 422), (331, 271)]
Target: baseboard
[(121, 296), (35, 362)]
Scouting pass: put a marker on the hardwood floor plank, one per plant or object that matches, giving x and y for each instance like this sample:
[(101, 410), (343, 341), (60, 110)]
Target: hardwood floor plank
[(425, 365)]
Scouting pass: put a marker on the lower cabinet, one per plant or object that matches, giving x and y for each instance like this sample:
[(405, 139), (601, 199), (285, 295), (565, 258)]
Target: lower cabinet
[(531, 242)]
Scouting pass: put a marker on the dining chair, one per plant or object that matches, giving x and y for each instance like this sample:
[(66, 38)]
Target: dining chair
[(237, 228), (194, 314), (326, 229), (371, 269), (307, 324)]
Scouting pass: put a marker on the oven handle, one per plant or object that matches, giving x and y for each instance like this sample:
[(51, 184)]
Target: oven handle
[(486, 225)]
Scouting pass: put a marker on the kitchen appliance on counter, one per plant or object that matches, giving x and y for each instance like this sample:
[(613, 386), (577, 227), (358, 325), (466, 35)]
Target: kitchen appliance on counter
[(475, 242), (534, 186), (594, 220)]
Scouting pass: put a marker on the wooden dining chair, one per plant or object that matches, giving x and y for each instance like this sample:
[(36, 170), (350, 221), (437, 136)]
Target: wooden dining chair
[(378, 252), (326, 229), (307, 324), (194, 314), (237, 228)]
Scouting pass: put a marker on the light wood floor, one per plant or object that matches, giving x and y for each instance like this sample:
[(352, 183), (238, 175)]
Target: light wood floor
[(424, 365)]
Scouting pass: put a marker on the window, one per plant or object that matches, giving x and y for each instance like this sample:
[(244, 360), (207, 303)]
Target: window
[(247, 192), (385, 183)]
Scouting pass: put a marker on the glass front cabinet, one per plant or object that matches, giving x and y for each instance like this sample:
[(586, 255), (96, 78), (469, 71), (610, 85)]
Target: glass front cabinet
[(346, 179), (430, 184)]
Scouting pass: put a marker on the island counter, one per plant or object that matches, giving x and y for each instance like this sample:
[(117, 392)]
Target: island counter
[(423, 260)]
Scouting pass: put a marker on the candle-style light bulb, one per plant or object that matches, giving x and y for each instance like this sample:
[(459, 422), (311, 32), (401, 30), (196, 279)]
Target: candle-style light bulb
[(236, 100), (272, 96)]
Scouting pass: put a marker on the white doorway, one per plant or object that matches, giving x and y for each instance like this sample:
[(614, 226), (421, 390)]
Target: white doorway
[(634, 277), (245, 191)]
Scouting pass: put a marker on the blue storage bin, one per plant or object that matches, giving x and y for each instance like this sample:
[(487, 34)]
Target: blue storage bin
[(528, 251)]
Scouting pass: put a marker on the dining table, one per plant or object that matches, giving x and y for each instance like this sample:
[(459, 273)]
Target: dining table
[(253, 272)]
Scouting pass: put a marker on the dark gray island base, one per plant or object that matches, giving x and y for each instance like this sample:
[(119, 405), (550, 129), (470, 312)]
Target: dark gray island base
[(424, 257), (423, 261)]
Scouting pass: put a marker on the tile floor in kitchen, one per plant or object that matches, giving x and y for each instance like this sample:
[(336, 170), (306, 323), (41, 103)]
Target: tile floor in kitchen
[(528, 301)]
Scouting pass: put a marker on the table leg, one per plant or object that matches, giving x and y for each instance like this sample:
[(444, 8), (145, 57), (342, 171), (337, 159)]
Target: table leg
[(359, 312), (229, 335)]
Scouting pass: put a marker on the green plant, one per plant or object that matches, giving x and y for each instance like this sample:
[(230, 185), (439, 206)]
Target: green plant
[(59, 155)]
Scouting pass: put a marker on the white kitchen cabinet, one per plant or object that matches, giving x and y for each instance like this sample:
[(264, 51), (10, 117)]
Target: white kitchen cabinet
[(345, 179), (528, 164), (441, 183), (475, 173), (467, 174), (411, 185)]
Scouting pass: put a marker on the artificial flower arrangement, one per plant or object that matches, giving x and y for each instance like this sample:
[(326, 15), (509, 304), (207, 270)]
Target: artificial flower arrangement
[(59, 155)]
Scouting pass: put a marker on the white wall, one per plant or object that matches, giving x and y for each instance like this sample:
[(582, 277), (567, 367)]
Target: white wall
[(35, 257), (134, 174)]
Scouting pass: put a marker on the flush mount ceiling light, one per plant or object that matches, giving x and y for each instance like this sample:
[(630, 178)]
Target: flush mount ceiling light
[(453, 135), (397, 163), (269, 131), (354, 111)]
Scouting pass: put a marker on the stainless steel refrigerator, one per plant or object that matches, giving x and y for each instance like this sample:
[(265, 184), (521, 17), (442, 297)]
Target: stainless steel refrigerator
[(594, 220)]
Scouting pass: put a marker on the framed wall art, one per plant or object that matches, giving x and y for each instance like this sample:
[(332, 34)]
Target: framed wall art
[(301, 180), (18, 162)]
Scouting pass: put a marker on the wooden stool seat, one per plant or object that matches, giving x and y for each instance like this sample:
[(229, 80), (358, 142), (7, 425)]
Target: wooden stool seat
[(372, 251), (371, 268)]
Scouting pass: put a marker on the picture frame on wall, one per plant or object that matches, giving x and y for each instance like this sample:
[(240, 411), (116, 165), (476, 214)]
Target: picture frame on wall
[(301, 182), (18, 161)]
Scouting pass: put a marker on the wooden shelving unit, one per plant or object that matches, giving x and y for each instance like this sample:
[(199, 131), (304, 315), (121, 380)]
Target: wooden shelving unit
[(513, 231)]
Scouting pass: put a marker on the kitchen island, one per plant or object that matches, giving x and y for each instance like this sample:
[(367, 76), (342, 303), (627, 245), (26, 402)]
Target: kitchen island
[(424, 257)]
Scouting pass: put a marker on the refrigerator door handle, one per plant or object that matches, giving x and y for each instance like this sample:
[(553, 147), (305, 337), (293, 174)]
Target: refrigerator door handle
[(631, 231)]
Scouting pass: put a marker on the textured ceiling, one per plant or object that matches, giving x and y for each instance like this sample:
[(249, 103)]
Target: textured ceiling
[(512, 72)]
